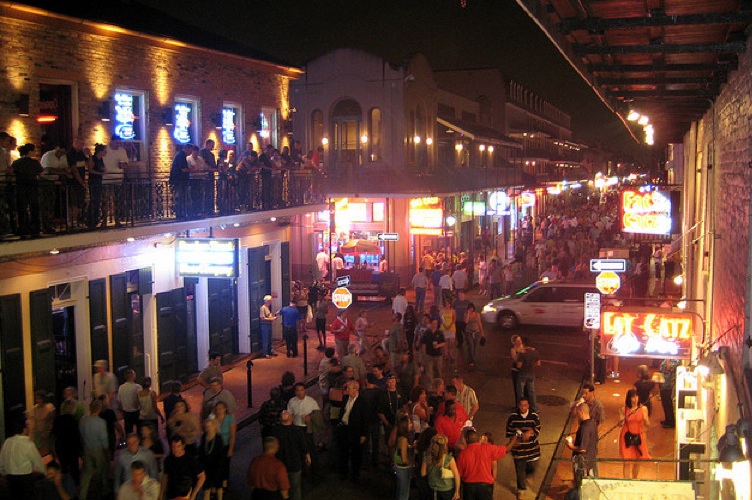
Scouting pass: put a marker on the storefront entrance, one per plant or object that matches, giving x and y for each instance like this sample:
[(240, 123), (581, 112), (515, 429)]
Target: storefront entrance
[(223, 330), (64, 332), (172, 331), (126, 306), (11, 355), (259, 284)]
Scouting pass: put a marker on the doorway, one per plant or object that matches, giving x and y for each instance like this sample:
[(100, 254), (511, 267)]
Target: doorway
[(55, 114), (346, 121), (223, 331), (64, 333)]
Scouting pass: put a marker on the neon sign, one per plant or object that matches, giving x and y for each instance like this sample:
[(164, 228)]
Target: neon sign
[(527, 199), (124, 117), (474, 208), (182, 131), (432, 201), (646, 213), (499, 202), (228, 126), (643, 332), (207, 257)]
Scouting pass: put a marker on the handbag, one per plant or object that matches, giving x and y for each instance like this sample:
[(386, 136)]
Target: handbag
[(632, 439), (482, 341), (446, 473)]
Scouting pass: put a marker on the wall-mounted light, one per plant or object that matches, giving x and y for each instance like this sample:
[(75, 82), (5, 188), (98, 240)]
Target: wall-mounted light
[(23, 104), (104, 111), (458, 146), (451, 220), (490, 149), (324, 141), (633, 116), (416, 139), (482, 147), (429, 140), (364, 139), (167, 117), (54, 251)]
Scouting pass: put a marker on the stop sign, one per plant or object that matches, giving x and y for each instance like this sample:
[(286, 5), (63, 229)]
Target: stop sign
[(607, 282), (342, 298)]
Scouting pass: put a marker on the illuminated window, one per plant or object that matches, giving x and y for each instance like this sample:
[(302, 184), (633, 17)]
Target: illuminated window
[(317, 128), (357, 212), (185, 120), (378, 212), (268, 131), (128, 119), (374, 134), (232, 125)]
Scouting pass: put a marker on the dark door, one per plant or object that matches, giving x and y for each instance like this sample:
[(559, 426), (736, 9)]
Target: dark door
[(66, 366), (121, 339), (257, 288), (222, 330), (285, 258), (136, 322), (42, 341), (100, 348), (171, 335), (11, 348), (190, 342)]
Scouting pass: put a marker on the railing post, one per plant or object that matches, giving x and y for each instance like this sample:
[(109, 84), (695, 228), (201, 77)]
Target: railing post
[(305, 354), (249, 380)]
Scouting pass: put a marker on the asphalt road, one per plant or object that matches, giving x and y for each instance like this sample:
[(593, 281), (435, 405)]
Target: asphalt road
[(557, 382)]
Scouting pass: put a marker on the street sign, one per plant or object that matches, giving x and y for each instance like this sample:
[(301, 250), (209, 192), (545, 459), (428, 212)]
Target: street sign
[(342, 298), (593, 311), (615, 265), (607, 282), (387, 236), (343, 280)]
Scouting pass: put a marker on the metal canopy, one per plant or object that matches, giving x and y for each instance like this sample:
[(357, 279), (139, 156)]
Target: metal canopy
[(663, 58)]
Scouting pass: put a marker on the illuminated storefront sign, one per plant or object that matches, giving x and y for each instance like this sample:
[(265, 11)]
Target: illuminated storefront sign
[(228, 126), (527, 199), (207, 257), (500, 203), (124, 117), (182, 124), (474, 208), (647, 212), (644, 332), (426, 216)]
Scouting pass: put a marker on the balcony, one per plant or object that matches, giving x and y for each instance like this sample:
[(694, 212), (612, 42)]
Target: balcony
[(144, 204)]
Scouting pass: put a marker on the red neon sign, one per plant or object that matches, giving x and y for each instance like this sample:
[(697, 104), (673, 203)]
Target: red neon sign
[(646, 332), (646, 213)]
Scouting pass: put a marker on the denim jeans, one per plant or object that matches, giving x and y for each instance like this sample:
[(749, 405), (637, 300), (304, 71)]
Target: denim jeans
[(403, 481), (420, 299), (471, 346), (526, 385), (266, 338)]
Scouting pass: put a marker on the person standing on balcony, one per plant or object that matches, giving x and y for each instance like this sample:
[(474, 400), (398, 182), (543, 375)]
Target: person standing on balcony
[(267, 167), (207, 154), (27, 170), (78, 161), (199, 177), (115, 164), (179, 180), (96, 176)]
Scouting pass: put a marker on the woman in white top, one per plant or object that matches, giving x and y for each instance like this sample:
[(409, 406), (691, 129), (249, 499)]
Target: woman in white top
[(149, 412)]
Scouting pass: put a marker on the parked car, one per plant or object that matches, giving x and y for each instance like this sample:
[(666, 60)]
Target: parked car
[(555, 303)]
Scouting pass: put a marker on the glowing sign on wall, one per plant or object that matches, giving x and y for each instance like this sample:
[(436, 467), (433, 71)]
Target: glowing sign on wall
[(646, 332), (500, 203), (182, 129), (527, 199), (124, 117), (228, 126), (426, 216), (203, 257), (474, 208), (646, 213)]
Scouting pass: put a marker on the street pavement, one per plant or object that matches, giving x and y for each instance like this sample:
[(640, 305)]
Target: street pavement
[(558, 381)]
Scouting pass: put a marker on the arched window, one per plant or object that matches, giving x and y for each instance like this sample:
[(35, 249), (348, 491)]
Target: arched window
[(374, 134), (317, 129)]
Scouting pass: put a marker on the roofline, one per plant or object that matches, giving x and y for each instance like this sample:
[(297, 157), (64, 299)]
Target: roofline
[(472, 136), (30, 13), (563, 52)]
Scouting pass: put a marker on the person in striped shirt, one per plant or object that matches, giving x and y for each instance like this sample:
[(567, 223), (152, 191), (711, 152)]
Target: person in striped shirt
[(525, 425)]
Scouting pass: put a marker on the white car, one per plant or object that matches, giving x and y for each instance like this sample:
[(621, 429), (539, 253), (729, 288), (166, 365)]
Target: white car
[(555, 303)]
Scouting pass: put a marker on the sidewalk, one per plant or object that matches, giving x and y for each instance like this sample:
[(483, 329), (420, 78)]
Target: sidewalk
[(661, 442)]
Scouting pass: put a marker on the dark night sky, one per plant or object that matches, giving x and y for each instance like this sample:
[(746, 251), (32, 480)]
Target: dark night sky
[(484, 34)]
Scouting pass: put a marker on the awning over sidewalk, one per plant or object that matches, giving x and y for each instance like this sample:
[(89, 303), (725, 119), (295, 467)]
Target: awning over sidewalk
[(479, 133), (633, 489)]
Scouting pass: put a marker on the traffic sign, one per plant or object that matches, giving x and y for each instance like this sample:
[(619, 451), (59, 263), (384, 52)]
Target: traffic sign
[(342, 298), (387, 236), (607, 282), (615, 265), (343, 280), (593, 311)]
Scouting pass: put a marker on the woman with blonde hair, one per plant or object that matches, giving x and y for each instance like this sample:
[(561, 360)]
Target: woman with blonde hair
[(441, 471), (211, 455)]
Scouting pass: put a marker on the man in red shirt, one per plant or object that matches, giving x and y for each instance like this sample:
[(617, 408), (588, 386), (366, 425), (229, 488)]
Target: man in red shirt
[(474, 464), (267, 474), (342, 328)]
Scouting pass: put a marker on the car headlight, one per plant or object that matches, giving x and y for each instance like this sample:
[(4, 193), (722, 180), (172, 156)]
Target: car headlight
[(489, 308)]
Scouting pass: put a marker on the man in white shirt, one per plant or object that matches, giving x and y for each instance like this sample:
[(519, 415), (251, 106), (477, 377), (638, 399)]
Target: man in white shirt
[(301, 406), (105, 382), (20, 461), (337, 264), (141, 486), (466, 395), (199, 177), (420, 284), (128, 396), (399, 302), (445, 283), (322, 261), (383, 265), (115, 162), (459, 279), (55, 163)]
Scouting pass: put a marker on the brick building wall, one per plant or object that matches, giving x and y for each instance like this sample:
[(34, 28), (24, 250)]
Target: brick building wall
[(98, 60), (727, 127)]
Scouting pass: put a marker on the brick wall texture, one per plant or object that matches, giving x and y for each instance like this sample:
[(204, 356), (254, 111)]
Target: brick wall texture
[(99, 62), (728, 126)]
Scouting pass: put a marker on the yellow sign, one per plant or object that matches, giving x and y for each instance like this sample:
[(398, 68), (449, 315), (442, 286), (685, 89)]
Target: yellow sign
[(607, 282), (342, 298), (646, 213)]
